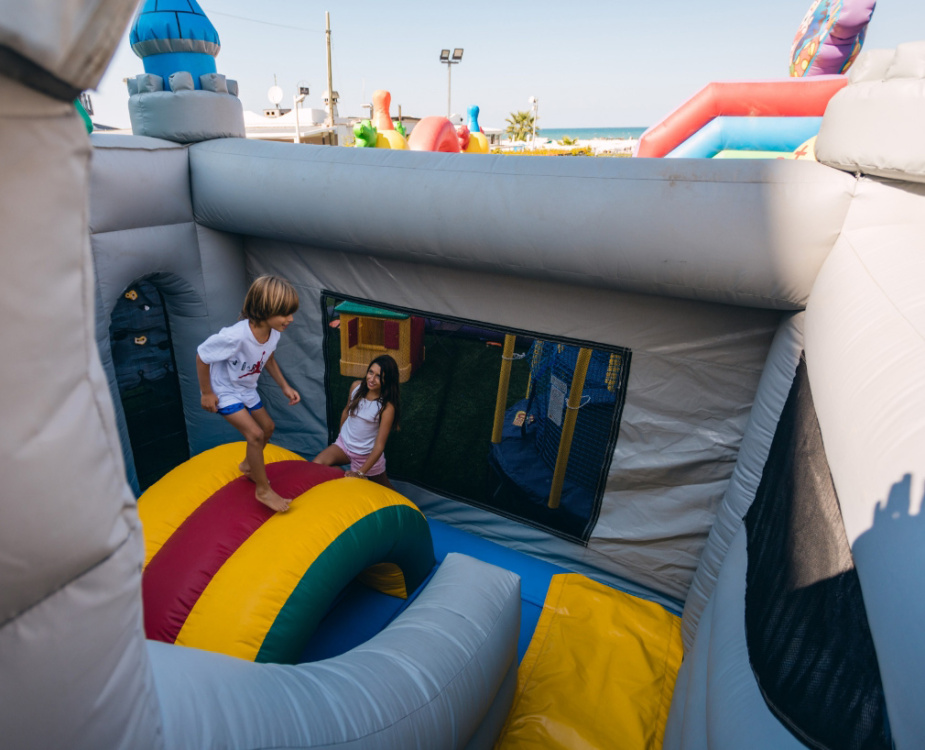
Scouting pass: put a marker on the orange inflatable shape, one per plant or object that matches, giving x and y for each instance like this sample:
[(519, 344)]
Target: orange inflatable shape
[(381, 119), (434, 134)]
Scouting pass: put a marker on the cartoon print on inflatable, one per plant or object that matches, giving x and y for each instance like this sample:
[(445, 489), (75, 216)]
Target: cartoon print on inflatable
[(830, 37)]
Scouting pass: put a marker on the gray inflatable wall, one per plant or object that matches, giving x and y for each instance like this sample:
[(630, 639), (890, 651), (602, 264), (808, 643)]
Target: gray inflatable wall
[(142, 227), (75, 668), (865, 355)]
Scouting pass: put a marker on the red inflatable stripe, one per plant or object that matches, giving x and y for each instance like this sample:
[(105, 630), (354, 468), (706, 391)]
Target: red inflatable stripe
[(180, 571), (788, 97)]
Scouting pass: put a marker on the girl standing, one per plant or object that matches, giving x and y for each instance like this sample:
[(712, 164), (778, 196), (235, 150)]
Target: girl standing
[(229, 363), (372, 411)]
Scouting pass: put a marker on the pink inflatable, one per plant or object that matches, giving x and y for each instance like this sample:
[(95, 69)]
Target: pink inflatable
[(434, 134)]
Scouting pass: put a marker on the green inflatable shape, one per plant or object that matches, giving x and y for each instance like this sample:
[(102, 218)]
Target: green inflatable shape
[(365, 134), (88, 123), (397, 534)]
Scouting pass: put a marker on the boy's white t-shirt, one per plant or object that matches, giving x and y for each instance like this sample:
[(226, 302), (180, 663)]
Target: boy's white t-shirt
[(235, 360)]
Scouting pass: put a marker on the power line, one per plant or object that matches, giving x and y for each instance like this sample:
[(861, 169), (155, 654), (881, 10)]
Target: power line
[(265, 23)]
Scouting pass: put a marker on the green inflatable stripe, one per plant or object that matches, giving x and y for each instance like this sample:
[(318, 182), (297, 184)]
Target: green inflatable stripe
[(398, 534)]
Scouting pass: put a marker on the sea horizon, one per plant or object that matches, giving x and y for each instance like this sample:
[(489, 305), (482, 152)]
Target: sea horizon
[(620, 133)]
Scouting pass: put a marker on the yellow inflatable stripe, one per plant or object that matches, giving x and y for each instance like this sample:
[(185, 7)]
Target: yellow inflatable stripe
[(165, 505), (241, 602), (599, 672), (385, 577)]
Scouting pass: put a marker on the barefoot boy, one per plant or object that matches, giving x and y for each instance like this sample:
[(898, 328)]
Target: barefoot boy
[(229, 364)]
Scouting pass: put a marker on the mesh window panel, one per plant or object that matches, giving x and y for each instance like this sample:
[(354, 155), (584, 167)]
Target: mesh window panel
[(553, 370), (809, 643)]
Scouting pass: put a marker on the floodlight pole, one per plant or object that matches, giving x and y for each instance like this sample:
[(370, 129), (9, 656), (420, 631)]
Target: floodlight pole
[(450, 61)]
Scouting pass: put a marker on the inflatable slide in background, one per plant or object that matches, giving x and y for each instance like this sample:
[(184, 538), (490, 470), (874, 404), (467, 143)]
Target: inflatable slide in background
[(756, 119), (775, 119)]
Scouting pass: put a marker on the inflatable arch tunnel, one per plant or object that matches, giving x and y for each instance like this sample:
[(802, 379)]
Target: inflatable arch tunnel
[(224, 573)]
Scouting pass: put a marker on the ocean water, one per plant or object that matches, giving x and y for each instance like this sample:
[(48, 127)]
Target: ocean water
[(555, 134)]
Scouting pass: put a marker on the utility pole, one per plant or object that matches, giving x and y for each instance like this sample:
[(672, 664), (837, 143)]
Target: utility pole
[(327, 34)]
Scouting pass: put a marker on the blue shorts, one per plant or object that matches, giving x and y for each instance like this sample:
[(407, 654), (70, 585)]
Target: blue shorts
[(232, 408)]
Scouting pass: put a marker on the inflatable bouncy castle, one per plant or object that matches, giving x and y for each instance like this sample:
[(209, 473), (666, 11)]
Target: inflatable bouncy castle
[(748, 573)]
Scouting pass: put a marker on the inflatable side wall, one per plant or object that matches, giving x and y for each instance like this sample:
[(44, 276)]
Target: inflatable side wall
[(75, 667)]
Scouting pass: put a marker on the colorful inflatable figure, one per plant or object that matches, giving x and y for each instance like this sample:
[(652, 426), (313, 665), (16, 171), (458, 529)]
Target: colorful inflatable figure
[(478, 142), (365, 134), (434, 134), (462, 132), (388, 136), (830, 37)]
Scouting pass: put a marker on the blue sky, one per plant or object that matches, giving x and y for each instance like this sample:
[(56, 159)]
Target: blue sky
[(589, 64)]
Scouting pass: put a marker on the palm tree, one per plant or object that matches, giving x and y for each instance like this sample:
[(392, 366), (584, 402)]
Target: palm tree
[(520, 126)]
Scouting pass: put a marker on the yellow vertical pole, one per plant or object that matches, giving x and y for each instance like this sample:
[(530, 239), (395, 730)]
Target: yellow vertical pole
[(568, 426), (504, 382)]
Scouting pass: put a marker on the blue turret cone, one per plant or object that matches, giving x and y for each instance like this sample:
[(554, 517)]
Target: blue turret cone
[(175, 35)]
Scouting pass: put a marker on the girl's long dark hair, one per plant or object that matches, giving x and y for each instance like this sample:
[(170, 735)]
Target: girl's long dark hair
[(389, 392)]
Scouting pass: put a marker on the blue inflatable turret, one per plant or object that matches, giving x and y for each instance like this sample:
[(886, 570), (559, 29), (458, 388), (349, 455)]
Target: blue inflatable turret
[(175, 35), (181, 96)]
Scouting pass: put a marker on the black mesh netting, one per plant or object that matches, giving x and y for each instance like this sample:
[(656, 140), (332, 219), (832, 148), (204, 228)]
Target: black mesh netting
[(149, 389), (552, 370), (808, 639)]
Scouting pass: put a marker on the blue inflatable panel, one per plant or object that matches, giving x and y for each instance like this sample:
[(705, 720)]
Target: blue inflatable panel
[(535, 574), (360, 612), (357, 614), (747, 134)]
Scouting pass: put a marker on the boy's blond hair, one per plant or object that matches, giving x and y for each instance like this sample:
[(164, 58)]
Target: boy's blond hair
[(269, 296)]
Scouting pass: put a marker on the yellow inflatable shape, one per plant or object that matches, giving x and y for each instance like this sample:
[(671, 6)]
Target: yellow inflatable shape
[(391, 139), (599, 672), (165, 505), (385, 577), (478, 144), (289, 543), (807, 150)]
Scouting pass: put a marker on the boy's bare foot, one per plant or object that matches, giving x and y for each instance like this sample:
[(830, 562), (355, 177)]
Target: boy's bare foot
[(273, 501), (245, 470)]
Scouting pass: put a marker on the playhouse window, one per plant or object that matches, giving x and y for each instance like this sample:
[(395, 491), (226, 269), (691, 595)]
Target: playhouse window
[(372, 333), (509, 421)]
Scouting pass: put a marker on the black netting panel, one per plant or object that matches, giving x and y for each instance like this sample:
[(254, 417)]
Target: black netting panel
[(146, 373), (808, 639), (552, 371)]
